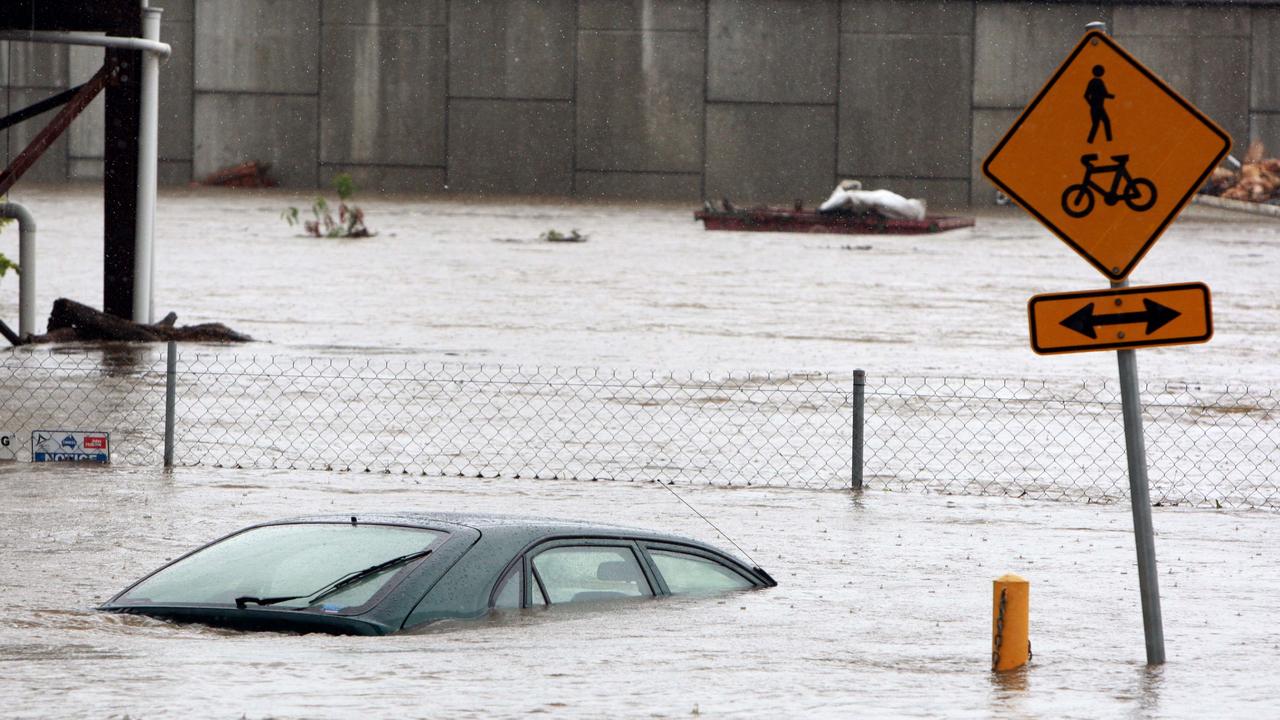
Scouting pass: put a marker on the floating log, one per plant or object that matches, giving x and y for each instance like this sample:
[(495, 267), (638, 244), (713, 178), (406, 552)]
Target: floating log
[(71, 321)]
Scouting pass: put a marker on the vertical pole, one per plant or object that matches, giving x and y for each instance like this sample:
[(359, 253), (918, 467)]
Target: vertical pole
[(120, 184), (144, 240), (1139, 489), (1140, 497), (27, 261), (1010, 623), (859, 400), (170, 401), (27, 278)]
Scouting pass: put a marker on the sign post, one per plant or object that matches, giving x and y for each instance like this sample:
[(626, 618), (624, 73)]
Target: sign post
[(1106, 156), (1140, 498)]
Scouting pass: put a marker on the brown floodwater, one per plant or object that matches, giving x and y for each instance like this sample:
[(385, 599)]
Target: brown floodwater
[(883, 607)]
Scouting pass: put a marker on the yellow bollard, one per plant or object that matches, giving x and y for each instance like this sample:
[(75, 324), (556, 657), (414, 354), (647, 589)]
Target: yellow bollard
[(1010, 611)]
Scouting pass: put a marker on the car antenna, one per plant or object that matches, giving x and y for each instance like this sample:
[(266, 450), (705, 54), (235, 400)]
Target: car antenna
[(723, 534)]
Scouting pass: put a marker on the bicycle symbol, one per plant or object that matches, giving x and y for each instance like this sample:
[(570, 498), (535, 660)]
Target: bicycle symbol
[(1138, 193)]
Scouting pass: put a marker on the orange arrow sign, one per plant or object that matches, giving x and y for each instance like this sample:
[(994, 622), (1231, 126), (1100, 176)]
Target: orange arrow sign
[(1106, 156), (1123, 318)]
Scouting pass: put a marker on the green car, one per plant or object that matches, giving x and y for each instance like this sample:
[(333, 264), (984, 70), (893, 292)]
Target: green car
[(379, 574)]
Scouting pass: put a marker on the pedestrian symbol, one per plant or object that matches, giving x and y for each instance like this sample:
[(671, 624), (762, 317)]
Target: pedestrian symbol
[(1097, 96), (1109, 190)]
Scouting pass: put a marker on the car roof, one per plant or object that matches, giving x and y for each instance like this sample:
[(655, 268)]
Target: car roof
[(520, 528)]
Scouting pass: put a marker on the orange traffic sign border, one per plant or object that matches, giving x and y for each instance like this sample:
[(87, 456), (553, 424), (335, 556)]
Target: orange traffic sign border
[(1039, 347), (1090, 37)]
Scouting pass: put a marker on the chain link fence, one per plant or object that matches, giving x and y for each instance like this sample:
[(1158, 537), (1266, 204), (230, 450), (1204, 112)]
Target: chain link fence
[(1206, 446), (1215, 446)]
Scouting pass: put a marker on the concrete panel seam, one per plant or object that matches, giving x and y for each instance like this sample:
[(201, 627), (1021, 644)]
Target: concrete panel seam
[(616, 31), (405, 166), (257, 92), (907, 34), (1206, 36), (772, 103), (598, 171), (881, 176), (390, 26), (573, 97), (481, 98)]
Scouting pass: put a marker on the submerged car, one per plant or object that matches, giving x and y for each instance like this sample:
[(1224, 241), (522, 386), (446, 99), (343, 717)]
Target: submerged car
[(374, 575)]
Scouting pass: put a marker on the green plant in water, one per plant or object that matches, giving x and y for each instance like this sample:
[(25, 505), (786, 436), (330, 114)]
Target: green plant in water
[(5, 263), (350, 221)]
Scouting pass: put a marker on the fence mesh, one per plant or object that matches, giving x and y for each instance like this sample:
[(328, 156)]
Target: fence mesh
[(1206, 445)]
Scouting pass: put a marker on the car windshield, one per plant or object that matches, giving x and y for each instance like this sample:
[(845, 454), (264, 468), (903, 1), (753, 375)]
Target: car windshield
[(289, 566)]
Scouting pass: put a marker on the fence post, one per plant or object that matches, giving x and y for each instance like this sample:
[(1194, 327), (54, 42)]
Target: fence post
[(859, 392), (170, 401)]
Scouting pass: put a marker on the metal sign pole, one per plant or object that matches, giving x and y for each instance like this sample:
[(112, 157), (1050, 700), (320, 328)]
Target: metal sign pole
[(1140, 497), (1139, 489)]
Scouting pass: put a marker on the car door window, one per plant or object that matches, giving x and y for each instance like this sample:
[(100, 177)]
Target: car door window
[(695, 575), (586, 573), (508, 595)]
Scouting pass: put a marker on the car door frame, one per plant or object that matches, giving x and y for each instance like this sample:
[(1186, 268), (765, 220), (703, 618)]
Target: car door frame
[(700, 552), (529, 574)]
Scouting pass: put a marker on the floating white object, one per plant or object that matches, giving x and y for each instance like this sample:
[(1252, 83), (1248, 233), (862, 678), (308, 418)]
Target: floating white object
[(850, 196)]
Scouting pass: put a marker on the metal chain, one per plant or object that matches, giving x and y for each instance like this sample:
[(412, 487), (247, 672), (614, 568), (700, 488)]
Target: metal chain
[(995, 653)]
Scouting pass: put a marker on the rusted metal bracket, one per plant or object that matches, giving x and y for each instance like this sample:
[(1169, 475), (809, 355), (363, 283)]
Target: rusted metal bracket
[(50, 133)]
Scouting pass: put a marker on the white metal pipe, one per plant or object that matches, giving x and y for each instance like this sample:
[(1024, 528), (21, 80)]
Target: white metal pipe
[(148, 46), (27, 263), (148, 121)]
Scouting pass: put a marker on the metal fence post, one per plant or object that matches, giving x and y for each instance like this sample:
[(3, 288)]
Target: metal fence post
[(170, 401), (859, 392)]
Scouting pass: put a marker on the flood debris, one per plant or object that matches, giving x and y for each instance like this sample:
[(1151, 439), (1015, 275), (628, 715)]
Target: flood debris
[(70, 321), (553, 235), (250, 174), (1257, 180), (849, 197)]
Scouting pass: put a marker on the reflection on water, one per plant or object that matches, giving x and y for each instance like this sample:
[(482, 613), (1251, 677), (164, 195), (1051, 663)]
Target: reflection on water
[(121, 359), (1009, 690)]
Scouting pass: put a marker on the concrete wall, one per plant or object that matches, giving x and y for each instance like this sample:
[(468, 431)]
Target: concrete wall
[(756, 100)]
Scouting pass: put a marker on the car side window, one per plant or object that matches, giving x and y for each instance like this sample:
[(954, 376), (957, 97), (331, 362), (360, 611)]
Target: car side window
[(581, 573), (690, 574), (508, 595)]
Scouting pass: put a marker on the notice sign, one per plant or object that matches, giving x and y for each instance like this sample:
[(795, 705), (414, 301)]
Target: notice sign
[(70, 446), (8, 446), (1107, 155)]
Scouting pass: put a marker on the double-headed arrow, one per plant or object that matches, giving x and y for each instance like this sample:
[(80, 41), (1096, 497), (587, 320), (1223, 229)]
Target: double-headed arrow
[(1086, 323), (1188, 303)]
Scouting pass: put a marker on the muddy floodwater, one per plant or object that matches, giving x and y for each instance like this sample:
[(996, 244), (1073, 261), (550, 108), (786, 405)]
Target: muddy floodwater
[(883, 607)]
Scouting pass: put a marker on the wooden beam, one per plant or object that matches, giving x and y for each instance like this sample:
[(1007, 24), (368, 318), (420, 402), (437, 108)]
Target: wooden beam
[(49, 133)]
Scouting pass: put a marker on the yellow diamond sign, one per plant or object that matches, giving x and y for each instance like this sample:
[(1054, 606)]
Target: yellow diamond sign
[(1106, 156)]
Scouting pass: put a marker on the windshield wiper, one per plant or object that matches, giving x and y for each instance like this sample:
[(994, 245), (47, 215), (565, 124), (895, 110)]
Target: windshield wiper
[(345, 581)]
